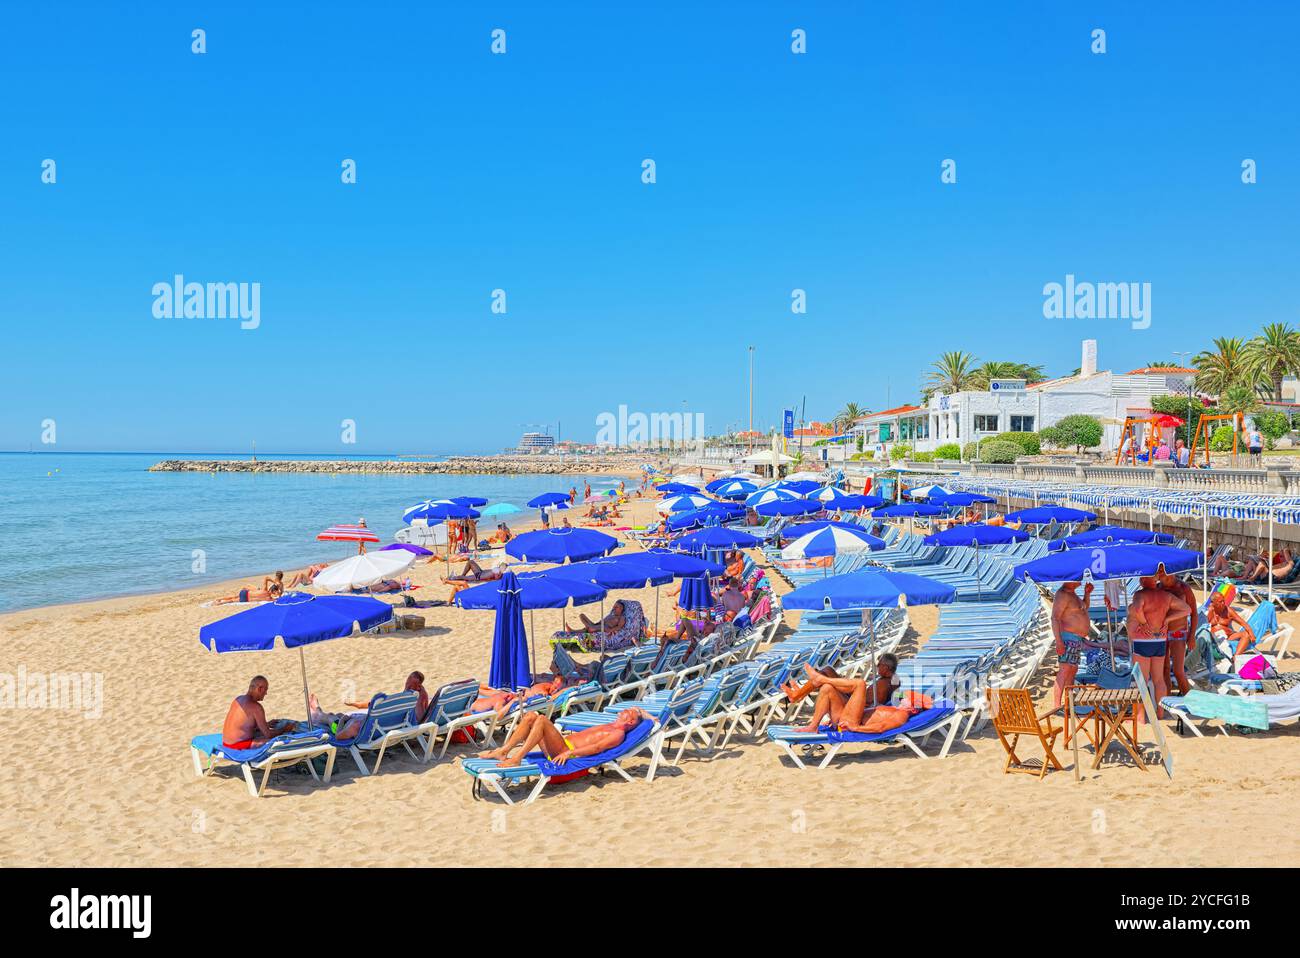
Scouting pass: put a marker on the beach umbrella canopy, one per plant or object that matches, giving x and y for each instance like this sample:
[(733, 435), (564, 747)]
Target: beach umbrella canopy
[(733, 488), (549, 499), (834, 540), (560, 545), (751, 476), (976, 534), (501, 509), (1041, 515), (789, 507), (669, 488), (407, 547), (927, 492), (771, 494), (345, 533), (613, 572), (295, 619), (676, 564), (869, 589), (908, 510), (803, 528), (833, 498), (1104, 534), (696, 518), (472, 501), (714, 538), (803, 487), (510, 667), (537, 590), (432, 511), (362, 570), (806, 476), (960, 499), (681, 503), (1120, 561)]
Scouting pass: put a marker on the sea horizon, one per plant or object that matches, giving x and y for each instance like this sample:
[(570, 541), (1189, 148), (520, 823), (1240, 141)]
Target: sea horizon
[(100, 525)]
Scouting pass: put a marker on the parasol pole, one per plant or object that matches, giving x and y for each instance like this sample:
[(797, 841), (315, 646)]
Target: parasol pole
[(306, 698), (532, 641), (1205, 547)]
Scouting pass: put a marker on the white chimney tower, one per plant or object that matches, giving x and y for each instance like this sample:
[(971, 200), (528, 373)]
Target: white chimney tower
[(1088, 366)]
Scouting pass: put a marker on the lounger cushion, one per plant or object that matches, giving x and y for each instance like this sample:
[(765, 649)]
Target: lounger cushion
[(211, 745)]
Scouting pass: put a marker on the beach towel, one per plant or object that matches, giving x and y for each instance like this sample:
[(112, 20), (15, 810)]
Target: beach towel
[(1208, 705)]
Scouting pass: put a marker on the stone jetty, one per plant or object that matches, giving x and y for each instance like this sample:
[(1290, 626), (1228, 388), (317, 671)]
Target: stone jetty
[(474, 465)]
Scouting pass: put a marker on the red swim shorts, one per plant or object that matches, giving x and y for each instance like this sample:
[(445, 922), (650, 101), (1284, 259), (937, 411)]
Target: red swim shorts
[(238, 746)]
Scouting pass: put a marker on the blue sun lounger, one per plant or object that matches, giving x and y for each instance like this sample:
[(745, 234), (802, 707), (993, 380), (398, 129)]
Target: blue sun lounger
[(913, 733), (486, 771), (280, 752)]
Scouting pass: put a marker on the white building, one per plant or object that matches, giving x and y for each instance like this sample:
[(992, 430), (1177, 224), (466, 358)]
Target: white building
[(536, 442), (1012, 406)]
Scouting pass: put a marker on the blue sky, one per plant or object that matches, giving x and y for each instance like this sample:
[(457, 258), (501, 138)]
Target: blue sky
[(523, 172)]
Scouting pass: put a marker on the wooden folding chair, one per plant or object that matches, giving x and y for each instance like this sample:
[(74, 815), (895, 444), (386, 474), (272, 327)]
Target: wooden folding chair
[(1012, 714)]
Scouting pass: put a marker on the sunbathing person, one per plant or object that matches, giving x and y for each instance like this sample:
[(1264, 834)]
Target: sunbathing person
[(1226, 624), (732, 599), (346, 725), (885, 684), (307, 576), (535, 730), (500, 700), (246, 725), (611, 623), (736, 565), (848, 703), (251, 595)]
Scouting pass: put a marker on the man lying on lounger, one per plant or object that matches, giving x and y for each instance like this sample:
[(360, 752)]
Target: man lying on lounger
[(473, 572), (611, 623), (346, 725), (845, 704), (500, 700), (535, 729), (246, 725)]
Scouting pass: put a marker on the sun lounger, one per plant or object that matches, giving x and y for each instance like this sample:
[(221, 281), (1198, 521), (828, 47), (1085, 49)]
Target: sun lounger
[(282, 751), (913, 733), (390, 720), (536, 765)]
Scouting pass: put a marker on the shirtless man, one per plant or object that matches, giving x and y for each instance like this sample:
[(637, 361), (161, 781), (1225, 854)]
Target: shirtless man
[(246, 725), (611, 623), (847, 703), (473, 572), (1152, 612), (500, 700), (1180, 634), (732, 599), (1227, 624), (535, 729), (1070, 626)]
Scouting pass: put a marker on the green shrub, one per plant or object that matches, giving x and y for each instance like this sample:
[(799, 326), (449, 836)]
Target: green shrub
[(995, 450), (1274, 425), (900, 451), (923, 457), (968, 451), (863, 456), (1026, 441), (1051, 437), (1221, 440), (949, 450), (1078, 431)]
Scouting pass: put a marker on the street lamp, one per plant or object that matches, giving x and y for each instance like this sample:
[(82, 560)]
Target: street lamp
[(1181, 353)]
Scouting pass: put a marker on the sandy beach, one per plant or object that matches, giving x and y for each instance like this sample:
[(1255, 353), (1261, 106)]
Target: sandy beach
[(119, 789)]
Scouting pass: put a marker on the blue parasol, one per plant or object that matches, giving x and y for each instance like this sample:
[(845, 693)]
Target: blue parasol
[(565, 544)]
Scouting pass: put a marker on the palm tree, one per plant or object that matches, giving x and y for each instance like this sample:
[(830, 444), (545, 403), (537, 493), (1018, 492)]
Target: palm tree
[(1275, 352), (1228, 365), (1242, 399), (953, 372), (845, 418)]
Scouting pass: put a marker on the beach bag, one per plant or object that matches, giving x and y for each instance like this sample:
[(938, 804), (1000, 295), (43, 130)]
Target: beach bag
[(1257, 667), (465, 736)]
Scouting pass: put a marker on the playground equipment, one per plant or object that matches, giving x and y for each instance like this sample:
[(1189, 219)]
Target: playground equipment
[(1204, 429)]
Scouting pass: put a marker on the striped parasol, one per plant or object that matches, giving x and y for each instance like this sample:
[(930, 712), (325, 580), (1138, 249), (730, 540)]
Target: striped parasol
[(349, 533)]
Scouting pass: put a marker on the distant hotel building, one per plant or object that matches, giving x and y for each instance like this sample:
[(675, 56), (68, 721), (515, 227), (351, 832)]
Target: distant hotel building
[(536, 442), (1013, 406)]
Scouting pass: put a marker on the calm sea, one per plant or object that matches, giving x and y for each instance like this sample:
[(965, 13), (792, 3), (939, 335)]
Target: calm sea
[(78, 526)]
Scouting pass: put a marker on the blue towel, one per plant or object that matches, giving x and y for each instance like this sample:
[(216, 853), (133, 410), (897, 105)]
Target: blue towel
[(211, 745)]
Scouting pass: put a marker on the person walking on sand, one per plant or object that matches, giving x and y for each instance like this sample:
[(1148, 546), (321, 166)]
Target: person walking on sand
[(1070, 626)]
